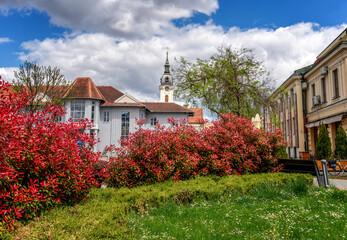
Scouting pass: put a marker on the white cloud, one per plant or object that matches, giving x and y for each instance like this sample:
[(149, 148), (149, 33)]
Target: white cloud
[(135, 66), (7, 73), (5, 40), (118, 18), (286, 49)]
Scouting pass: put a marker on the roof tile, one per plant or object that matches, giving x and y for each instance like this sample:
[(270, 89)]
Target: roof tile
[(166, 107), (198, 116), (84, 87), (110, 94)]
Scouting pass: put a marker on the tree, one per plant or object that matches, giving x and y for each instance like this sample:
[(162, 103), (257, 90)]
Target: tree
[(231, 81), (323, 148), (341, 143), (43, 84)]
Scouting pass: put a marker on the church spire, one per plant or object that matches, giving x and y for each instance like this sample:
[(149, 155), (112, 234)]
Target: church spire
[(166, 87), (167, 64)]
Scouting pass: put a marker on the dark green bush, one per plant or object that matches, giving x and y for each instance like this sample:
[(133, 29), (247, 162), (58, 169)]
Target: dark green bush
[(282, 153), (341, 143), (323, 148)]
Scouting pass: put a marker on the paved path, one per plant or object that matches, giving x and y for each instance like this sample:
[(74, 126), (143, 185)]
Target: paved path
[(339, 183)]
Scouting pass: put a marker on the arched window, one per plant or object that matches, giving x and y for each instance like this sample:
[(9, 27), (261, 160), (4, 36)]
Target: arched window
[(166, 98)]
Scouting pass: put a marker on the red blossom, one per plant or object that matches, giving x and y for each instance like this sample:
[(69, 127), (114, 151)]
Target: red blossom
[(40, 162), (230, 145)]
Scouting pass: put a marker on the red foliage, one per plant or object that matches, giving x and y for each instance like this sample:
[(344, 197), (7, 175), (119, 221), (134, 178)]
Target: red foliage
[(230, 146), (41, 163)]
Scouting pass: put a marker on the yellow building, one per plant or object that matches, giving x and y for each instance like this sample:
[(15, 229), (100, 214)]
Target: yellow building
[(311, 96), (327, 91), (288, 113)]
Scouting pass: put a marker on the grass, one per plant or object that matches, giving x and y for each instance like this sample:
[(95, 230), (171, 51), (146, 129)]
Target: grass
[(265, 213), (111, 213)]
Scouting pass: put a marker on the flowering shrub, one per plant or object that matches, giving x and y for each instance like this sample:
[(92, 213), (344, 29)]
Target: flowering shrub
[(230, 146), (41, 163)]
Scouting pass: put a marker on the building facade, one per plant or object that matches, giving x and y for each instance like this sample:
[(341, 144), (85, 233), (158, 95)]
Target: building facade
[(327, 91), (312, 96), (114, 113), (288, 114)]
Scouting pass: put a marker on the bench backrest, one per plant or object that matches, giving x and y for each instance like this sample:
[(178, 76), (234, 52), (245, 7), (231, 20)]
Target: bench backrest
[(306, 166), (298, 166)]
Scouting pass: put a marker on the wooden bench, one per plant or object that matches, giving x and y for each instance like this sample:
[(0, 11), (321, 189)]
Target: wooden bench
[(306, 166)]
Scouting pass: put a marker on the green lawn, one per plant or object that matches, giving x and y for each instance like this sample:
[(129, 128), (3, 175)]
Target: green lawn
[(319, 214), (246, 207)]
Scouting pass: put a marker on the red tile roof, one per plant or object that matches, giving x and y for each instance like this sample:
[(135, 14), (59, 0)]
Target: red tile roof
[(110, 94), (122, 104), (167, 107), (198, 116), (84, 87)]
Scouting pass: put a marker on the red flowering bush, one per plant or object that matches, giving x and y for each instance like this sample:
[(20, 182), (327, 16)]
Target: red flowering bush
[(230, 146), (41, 163)]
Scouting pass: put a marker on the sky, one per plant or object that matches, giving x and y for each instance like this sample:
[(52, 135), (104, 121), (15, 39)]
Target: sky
[(123, 43)]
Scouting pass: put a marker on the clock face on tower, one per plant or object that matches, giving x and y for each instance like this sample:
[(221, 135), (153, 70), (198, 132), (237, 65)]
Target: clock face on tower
[(167, 88)]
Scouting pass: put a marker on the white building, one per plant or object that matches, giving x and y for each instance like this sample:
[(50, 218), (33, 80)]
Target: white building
[(114, 112)]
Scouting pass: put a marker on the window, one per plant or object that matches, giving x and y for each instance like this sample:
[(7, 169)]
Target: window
[(92, 133), (292, 98), (288, 128), (336, 84), (125, 124), (166, 98), (106, 116), (153, 121), (77, 110), (284, 129), (93, 111), (324, 92), (313, 90)]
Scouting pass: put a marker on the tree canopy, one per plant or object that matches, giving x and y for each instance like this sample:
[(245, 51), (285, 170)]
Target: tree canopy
[(230, 81), (43, 84)]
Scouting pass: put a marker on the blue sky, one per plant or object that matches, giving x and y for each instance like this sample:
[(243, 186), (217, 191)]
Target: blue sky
[(276, 13), (122, 43)]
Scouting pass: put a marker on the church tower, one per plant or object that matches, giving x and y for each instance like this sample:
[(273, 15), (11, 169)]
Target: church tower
[(166, 87)]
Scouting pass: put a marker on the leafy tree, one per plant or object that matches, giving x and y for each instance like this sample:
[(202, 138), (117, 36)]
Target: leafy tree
[(323, 148), (341, 143), (231, 81), (43, 84)]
